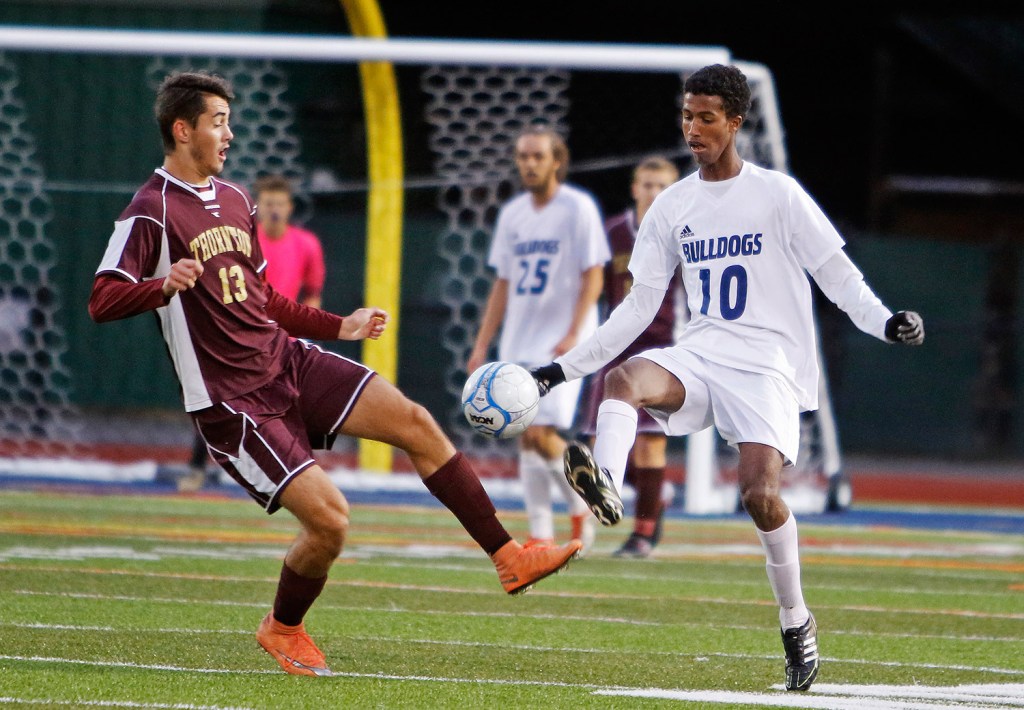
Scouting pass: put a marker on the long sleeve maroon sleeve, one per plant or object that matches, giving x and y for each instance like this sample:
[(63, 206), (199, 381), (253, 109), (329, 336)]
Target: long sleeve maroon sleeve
[(113, 298), (302, 321)]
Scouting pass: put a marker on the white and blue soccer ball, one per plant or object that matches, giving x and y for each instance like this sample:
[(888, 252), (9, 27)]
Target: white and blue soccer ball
[(500, 400)]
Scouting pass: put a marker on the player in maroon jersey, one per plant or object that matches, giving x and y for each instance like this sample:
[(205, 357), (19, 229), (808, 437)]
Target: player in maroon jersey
[(646, 467), (186, 249), (295, 269)]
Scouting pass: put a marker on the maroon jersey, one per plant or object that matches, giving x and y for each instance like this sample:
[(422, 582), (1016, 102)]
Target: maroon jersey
[(218, 334), (621, 231)]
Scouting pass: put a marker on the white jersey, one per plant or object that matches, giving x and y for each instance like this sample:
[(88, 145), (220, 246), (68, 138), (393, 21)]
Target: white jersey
[(543, 254), (744, 245)]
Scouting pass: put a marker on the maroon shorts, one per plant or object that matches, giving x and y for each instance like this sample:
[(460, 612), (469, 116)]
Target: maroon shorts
[(593, 395), (264, 438)]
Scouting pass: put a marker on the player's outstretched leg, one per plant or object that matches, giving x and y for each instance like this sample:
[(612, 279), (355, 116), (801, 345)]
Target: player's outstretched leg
[(801, 645), (593, 484), (519, 568), (450, 477)]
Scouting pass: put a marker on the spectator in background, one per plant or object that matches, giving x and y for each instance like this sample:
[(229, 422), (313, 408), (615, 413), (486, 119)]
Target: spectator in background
[(646, 468), (295, 259), (549, 251), (295, 268)]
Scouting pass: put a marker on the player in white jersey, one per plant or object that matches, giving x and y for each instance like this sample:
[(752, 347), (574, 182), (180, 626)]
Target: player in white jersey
[(548, 250), (745, 237)]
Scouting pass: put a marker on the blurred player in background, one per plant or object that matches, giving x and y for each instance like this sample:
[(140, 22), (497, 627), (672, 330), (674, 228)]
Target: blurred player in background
[(746, 238), (549, 250), (646, 468), (295, 258), (295, 268), (185, 248)]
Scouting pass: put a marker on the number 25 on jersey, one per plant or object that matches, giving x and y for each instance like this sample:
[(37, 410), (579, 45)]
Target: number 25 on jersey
[(533, 277)]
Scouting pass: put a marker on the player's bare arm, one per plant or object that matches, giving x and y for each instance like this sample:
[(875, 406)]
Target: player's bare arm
[(591, 286), (183, 276), (364, 323)]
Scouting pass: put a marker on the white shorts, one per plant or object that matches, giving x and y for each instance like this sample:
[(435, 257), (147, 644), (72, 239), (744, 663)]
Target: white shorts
[(558, 407), (745, 407)]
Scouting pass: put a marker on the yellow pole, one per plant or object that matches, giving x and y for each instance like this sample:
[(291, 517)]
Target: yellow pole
[(384, 207)]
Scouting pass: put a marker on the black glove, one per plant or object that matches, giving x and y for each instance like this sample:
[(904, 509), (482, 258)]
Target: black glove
[(548, 376), (905, 327)]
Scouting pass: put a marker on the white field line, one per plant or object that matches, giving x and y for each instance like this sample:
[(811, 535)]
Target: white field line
[(125, 664), (968, 613), (672, 654), (377, 556), (612, 620), (837, 697), (497, 615), (834, 697), (115, 704)]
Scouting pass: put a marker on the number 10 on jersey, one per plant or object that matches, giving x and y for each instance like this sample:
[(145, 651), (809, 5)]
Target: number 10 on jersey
[(732, 300)]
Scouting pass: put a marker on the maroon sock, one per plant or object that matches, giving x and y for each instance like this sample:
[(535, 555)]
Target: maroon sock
[(457, 486), (295, 594), (647, 482)]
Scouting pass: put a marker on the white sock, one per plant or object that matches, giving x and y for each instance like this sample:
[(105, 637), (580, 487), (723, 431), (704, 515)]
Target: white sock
[(536, 480), (783, 566), (616, 432), (576, 505)]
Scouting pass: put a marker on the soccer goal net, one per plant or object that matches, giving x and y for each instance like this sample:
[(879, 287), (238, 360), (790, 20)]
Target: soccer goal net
[(302, 109)]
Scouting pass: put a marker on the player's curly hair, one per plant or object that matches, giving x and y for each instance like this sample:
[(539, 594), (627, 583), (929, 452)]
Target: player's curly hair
[(727, 82), (181, 96)]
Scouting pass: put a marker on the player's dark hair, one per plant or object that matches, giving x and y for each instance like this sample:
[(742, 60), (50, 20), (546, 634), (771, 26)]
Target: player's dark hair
[(272, 183), (658, 163), (559, 149), (726, 82), (183, 95)]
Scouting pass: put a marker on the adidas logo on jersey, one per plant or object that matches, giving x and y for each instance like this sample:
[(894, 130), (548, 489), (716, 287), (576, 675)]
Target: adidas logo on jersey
[(686, 233)]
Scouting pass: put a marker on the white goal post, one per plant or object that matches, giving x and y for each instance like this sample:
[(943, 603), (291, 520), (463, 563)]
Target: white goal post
[(460, 171)]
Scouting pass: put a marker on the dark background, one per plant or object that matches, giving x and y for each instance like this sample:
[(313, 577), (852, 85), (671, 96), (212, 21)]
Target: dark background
[(865, 93), (903, 122)]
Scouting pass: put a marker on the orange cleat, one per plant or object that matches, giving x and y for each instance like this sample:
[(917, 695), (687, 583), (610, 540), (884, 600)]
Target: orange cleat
[(292, 647), (519, 568)]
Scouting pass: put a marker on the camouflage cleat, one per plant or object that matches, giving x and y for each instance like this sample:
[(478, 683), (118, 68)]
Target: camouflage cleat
[(519, 568), (593, 484), (801, 646), (291, 647)]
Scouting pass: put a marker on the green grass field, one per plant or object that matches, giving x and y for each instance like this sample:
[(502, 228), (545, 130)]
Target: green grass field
[(152, 601)]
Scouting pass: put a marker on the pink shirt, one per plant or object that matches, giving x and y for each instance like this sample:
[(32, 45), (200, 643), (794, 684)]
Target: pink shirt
[(295, 262)]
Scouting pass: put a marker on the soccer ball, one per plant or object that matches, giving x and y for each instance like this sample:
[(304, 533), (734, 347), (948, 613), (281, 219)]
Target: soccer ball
[(500, 400)]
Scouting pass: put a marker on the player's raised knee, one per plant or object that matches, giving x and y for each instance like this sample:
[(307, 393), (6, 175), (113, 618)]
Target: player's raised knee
[(759, 501), (620, 383)]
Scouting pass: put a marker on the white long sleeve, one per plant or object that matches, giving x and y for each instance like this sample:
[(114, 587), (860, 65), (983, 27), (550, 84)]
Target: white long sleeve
[(624, 325), (843, 283)]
